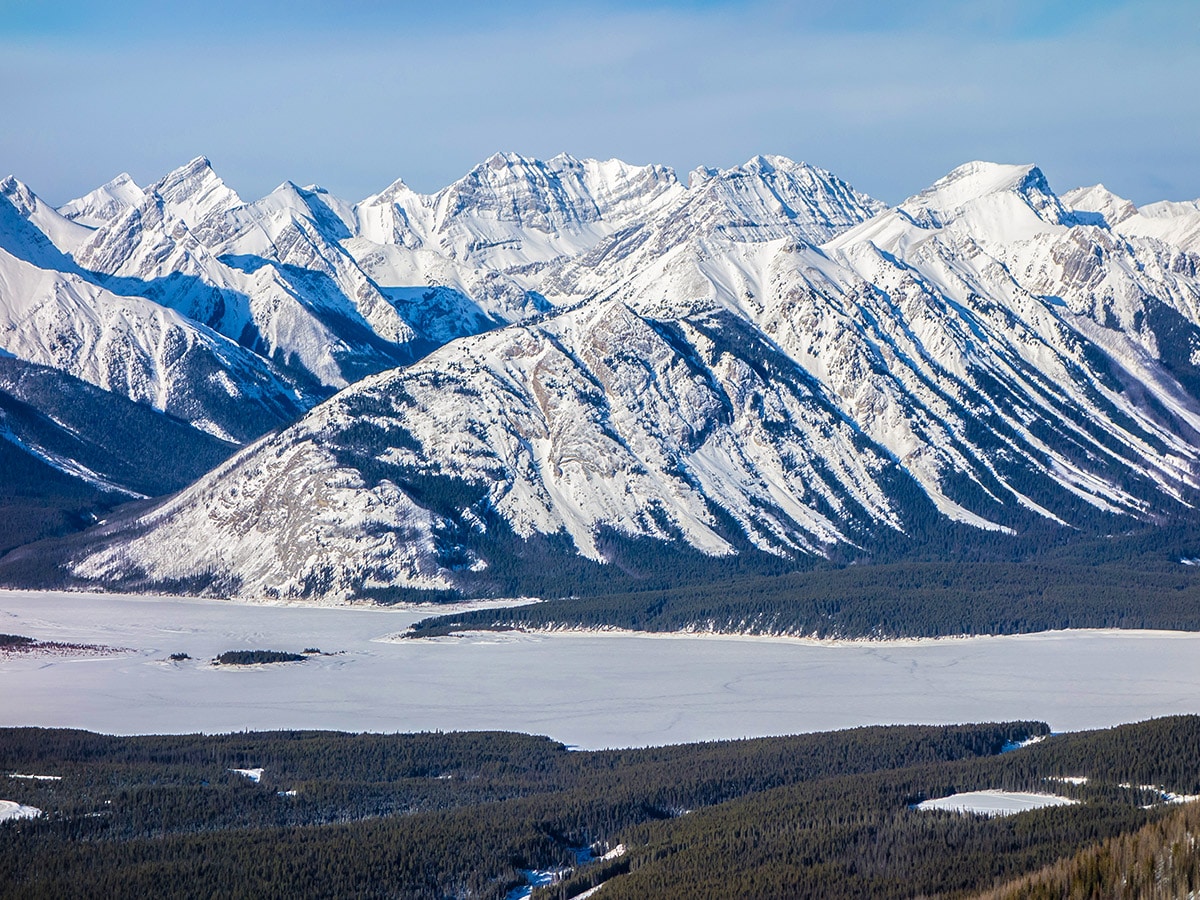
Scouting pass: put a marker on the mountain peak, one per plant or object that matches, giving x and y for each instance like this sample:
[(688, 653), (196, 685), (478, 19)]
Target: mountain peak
[(509, 160), (771, 162), (1097, 205), (772, 197), (105, 203), (33, 225), (18, 193), (979, 178), (194, 191), (997, 199), (195, 165)]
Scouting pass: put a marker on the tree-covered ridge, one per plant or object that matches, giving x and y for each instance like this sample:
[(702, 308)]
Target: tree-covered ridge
[(915, 599), (859, 836), (1158, 862), (439, 815)]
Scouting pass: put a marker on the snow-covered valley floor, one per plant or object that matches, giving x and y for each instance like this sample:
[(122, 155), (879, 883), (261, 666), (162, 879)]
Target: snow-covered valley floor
[(588, 690)]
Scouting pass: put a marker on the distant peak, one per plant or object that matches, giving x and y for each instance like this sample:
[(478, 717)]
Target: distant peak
[(982, 177), (972, 183), (197, 171), (397, 186), (760, 163), (121, 183), (194, 190), (771, 162), (102, 205), (504, 160), (509, 160), (18, 193), (1097, 205)]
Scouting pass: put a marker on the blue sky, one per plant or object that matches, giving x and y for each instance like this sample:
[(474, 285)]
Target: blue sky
[(889, 96)]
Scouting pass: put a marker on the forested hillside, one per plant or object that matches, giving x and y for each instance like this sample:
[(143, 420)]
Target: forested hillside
[(479, 814), (911, 599)]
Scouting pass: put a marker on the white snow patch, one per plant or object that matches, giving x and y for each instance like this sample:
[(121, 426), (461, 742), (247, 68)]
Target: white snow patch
[(254, 775), (995, 803), (1164, 796), (615, 853), (1017, 745), (37, 777), (1169, 797), (11, 810)]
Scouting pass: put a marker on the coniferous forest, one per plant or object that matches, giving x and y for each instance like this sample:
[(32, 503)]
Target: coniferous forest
[(910, 599), (483, 814)]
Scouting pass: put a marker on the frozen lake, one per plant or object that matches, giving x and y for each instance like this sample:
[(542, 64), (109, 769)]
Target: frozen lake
[(588, 690)]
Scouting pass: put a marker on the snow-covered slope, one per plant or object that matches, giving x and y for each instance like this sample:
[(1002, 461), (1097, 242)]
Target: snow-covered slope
[(105, 203), (32, 230), (140, 350), (97, 438), (70, 451), (597, 419), (762, 361)]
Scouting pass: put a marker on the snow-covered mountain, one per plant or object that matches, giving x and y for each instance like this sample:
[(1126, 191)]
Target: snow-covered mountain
[(69, 450), (763, 361)]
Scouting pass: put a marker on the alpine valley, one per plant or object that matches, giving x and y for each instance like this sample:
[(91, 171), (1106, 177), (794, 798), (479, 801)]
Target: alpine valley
[(571, 376)]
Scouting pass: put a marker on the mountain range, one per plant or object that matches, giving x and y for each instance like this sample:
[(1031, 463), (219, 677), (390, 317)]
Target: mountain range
[(586, 367)]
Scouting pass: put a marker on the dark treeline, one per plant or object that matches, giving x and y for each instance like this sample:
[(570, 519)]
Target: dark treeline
[(257, 657), (893, 600), (441, 815), (1159, 862)]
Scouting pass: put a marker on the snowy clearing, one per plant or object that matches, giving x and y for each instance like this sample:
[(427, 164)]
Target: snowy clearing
[(254, 775), (587, 690), (1017, 745), (10, 810), (995, 803)]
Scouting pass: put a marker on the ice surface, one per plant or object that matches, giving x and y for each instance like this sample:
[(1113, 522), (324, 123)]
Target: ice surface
[(587, 690), (995, 803)]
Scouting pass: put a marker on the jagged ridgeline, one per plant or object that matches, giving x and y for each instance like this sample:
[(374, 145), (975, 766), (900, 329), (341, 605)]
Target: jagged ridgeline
[(577, 377), (485, 814)]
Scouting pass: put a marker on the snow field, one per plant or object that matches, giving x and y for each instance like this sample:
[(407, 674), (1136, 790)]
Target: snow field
[(586, 690), (11, 810), (995, 803)]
